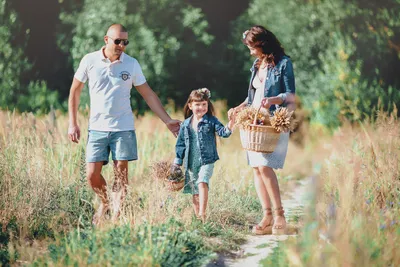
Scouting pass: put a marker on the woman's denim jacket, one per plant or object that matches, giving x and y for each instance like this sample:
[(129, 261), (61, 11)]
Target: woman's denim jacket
[(206, 129), (279, 81)]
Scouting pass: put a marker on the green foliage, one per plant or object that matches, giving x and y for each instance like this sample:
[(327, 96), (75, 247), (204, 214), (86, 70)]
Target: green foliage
[(156, 29), (14, 64), (341, 51), (278, 256), (168, 244), (10, 229)]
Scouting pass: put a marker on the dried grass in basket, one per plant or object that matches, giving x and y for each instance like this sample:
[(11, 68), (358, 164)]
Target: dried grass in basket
[(171, 176), (259, 132)]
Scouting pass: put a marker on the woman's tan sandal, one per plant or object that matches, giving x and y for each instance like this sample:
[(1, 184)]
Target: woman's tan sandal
[(279, 228), (265, 226)]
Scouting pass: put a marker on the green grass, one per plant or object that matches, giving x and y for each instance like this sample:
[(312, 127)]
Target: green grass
[(263, 245)]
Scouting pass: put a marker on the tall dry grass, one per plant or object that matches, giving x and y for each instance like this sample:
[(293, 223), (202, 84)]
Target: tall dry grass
[(354, 219), (44, 191)]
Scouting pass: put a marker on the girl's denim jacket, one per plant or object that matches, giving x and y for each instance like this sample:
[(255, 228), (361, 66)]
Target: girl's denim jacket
[(279, 81), (206, 129)]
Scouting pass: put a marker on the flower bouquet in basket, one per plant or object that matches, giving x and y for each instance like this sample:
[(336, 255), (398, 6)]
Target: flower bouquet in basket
[(171, 175), (259, 131)]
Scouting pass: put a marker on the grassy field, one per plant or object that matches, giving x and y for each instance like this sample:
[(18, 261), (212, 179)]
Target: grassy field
[(354, 219), (46, 205)]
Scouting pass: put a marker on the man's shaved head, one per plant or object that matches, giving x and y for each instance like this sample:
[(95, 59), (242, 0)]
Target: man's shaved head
[(115, 40), (116, 28)]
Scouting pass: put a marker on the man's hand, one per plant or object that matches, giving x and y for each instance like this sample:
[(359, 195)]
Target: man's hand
[(173, 126), (74, 133)]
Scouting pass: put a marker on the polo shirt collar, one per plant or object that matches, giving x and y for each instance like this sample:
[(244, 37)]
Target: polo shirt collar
[(104, 59)]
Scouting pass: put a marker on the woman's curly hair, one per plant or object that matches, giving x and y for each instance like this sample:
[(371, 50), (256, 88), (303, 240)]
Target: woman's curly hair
[(258, 36)]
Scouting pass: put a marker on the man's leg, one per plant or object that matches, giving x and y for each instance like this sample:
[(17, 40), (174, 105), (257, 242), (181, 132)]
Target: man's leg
[(120, 186), (123, 149), (99, 186)]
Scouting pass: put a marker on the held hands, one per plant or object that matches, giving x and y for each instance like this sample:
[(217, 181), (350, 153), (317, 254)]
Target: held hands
[(231, 113), (232, 116), (74, 133), (173, 126)]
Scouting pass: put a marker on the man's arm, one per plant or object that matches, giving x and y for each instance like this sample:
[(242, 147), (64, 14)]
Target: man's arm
[(74, 132), (154, 103)]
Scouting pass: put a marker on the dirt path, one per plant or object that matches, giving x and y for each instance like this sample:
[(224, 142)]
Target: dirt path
[(259, 247)]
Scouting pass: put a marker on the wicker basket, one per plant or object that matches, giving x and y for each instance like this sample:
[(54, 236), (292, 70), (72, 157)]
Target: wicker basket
[(174, 186), (259, 138)]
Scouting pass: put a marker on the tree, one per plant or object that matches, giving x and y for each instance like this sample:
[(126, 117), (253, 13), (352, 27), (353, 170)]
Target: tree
[(13, 64), (160, 32), (332, 45)]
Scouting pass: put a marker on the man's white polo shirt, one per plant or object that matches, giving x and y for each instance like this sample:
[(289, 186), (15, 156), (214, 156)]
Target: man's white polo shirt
[(110, 85)]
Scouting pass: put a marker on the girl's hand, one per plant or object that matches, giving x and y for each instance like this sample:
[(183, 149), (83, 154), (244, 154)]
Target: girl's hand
[(231, 124), (173, 126), (265, 103)]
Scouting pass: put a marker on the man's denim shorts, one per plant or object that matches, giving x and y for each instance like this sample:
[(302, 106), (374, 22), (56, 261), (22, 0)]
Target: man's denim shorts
[(123, 146)]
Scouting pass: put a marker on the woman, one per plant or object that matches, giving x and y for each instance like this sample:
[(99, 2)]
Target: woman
[(271, 85)]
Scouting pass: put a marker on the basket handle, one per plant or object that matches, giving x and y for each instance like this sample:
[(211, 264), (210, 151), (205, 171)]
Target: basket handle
[(255, 117)]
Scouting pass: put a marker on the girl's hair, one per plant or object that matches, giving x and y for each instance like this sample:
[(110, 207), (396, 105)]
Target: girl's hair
[(199, 95), (259, 37)]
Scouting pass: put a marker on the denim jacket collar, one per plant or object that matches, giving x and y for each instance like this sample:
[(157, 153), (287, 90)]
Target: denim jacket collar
[(204, 119)]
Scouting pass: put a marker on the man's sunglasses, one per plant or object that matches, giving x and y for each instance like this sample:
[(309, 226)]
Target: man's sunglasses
[(118, 41)]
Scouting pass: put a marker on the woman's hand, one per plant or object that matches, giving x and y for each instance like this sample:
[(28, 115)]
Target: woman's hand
[(265, 103), (231, 112)]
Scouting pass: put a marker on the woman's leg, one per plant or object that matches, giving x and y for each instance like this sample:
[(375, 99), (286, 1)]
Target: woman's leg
[(203, 200), (264, 199), (271, 183), (196, 204)]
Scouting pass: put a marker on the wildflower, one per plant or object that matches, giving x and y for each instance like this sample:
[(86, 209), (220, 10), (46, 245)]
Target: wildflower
[(205, 91)]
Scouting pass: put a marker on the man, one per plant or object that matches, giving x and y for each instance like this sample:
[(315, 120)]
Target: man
[(111, 74)]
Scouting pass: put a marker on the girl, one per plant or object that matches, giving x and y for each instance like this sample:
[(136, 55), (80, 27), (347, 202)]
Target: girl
[(196, 147), (271, 85)]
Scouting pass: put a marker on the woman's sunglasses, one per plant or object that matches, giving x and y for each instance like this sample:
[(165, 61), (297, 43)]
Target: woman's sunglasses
[(118, 41)]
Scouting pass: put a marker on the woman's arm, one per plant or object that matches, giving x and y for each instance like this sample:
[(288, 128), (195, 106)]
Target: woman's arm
[(288, 96)]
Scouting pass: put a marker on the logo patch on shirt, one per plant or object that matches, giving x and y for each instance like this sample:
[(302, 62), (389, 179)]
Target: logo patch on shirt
[(124, 75)]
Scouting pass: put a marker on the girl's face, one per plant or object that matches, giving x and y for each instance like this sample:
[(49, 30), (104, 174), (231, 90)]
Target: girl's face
[(199, 108), (255, 51)]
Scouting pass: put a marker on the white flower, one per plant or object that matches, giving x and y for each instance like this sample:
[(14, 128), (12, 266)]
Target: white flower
[(205, 91)]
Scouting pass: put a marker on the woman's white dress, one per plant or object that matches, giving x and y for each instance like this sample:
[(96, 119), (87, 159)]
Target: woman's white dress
[(277, 158)]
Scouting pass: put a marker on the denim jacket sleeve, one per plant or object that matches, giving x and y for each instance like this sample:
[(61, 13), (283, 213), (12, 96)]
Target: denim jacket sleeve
[(180, 147), (288, 80), (221, 130)]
